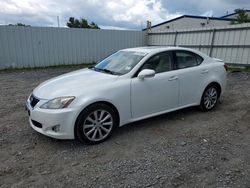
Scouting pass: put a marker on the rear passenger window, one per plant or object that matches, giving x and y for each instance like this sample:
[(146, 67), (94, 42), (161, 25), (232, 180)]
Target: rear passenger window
[(199, 59), (187, 59)]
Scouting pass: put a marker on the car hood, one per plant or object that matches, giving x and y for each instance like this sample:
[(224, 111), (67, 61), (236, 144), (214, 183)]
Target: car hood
[(72, 84)]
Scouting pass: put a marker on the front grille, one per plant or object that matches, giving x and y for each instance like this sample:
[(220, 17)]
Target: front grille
[(37, 124), (33, 100)]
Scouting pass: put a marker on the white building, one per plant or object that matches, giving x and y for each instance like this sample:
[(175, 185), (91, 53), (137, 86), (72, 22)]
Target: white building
[(191, 22)]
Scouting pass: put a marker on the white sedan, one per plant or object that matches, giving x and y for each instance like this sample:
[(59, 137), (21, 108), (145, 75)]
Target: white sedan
[(129, 85)]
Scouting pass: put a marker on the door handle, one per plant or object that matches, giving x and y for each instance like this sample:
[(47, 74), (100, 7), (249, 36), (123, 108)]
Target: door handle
[(173, 78), (204, 71)]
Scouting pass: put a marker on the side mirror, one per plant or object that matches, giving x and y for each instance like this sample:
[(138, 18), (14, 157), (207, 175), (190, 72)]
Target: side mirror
[(146, 73)]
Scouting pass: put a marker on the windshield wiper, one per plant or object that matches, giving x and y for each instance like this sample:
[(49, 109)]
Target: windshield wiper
[(108, 71), (105, 70)]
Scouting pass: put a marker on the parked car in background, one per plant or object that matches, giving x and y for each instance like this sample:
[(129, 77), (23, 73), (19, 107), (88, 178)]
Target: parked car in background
[(129, 85)]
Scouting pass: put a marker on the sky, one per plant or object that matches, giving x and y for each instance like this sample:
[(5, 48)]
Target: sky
[(111, 14)]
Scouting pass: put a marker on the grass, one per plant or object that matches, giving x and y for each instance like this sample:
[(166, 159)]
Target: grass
[(72, 66), (239, 69)]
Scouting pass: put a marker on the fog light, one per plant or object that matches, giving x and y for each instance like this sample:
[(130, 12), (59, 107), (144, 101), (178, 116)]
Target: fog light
[(56, 128)]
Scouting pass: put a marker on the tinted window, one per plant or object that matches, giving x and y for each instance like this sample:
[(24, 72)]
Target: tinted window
[(186, 59), (199, 59), (161, 62)]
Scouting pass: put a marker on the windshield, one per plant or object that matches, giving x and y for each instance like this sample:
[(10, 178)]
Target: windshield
[(120, 62)]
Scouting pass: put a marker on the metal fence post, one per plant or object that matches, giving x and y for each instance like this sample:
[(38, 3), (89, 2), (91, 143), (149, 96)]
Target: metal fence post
[(175, 37), (147, 37), (212, 42)]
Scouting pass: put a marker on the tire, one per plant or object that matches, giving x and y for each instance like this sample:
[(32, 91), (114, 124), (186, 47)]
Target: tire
[(209, 98), (96, 123)]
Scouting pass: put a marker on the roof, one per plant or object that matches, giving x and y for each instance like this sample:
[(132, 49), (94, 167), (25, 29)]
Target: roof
[(192, 16), (149, 49), (145, 49), (232, 14)]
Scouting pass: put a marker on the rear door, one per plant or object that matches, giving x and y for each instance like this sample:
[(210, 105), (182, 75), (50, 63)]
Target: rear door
[(191, 75)]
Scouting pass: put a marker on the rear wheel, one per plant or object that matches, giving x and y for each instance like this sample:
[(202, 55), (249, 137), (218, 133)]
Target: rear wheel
[(209, 98), (96, 123)]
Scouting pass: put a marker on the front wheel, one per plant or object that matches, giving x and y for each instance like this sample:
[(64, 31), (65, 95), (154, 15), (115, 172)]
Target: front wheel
[(209, 98), (96, 123)]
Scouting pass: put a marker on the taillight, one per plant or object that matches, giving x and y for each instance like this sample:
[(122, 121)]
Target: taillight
[(226, 67)]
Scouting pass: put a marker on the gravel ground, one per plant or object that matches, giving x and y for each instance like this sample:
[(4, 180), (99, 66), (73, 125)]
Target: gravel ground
[(186, 148)]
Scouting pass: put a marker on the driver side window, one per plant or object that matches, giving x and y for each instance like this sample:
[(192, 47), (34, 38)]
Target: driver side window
[(161, 62)]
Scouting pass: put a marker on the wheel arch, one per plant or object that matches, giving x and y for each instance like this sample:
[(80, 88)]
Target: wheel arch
[(99, 102), (217, 85), (214, 83)]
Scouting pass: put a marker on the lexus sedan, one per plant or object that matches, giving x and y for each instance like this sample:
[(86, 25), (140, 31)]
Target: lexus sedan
[(129, 85)]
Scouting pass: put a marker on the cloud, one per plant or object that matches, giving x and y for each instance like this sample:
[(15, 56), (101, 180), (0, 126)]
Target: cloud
[(123, 14), (209, 13), (202, 7), (130, 14)]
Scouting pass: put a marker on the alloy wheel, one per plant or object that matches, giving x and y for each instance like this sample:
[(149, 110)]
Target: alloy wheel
[(210, 98), (98, 125)]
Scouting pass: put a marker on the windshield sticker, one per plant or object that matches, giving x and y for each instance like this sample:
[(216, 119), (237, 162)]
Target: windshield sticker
[(140, 53), (127, 67)]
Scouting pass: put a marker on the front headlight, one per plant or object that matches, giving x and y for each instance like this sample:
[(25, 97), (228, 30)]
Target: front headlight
[(58, 103)]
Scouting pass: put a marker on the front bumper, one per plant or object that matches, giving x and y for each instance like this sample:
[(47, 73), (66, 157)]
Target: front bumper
[(55, 123)]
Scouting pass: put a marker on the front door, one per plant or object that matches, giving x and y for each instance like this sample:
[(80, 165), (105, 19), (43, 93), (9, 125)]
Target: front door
[(158, 93)]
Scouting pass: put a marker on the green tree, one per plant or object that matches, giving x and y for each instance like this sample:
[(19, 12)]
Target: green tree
[(242, 16), (93, 25), (82, 23), (19, 24)]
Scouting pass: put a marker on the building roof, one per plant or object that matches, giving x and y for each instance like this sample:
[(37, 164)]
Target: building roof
[(192, 16), (232, 14)]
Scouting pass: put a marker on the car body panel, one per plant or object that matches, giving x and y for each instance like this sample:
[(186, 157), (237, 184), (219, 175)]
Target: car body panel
[(73, 84), (152, 95), (191, 81)]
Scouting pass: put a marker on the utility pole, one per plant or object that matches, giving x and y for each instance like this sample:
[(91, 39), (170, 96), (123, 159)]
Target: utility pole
[(148, 25), (58, 24)]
